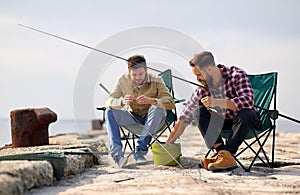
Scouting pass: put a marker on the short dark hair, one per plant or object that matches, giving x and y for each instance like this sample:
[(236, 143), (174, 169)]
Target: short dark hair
[(203, 59), (136, 61)]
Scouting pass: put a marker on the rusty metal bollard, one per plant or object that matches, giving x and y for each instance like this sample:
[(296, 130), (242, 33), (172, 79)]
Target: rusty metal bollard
[(29, 127), (97, 124)]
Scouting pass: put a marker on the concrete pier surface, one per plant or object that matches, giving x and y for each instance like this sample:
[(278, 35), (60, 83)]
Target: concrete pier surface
[(97, 174)]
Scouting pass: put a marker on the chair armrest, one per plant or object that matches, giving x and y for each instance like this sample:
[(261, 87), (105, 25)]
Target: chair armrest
[(101, 108), (178, 100), (273, 114)]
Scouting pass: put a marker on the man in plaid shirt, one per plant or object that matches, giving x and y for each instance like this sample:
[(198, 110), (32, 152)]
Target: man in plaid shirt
[(225, 100)]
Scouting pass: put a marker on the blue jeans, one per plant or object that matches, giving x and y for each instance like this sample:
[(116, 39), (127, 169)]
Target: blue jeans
[(116, 118)]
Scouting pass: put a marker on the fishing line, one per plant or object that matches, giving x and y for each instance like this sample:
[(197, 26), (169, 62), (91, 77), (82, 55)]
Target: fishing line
[(101, 51), (119, 57)]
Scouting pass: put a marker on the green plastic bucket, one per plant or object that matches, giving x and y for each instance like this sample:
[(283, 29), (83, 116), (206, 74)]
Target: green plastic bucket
[(161, 157)]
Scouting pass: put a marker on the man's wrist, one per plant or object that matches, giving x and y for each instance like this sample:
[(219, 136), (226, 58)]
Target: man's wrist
[(154, 102)]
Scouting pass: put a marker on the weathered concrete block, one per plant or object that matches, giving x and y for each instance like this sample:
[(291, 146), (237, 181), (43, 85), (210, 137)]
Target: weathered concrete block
[(77, 163), (10, 184), (31, 173), (29, 127)]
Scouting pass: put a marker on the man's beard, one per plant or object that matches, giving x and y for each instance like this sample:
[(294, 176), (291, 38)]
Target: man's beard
[(214, 83), (140, 82), (210, 81)]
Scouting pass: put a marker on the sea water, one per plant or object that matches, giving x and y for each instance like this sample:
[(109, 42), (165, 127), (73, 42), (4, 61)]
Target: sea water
[(61, 126)]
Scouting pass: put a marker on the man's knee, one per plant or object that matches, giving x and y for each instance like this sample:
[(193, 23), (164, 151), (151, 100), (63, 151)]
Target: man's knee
[(113, 114), (245, 116), (108, 113), (157, 111)]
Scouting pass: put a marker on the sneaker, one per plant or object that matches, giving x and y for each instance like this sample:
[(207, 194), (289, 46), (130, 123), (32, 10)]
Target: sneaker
[(140, 158), (121, 161), (205, 161), (224, 161)]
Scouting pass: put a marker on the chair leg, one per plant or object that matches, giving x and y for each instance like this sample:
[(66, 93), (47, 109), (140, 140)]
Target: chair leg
[(249, 146), (273, 147), (239, 162), (168, 126), (261, 149), (261, 145), (256, 156), (208, 152), (126, 140), (133, 142)]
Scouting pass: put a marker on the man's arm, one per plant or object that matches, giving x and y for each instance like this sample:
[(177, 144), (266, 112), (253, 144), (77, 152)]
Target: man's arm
[(244, 91), (177, 130), (222, 103), (115, 98), (244, 98)]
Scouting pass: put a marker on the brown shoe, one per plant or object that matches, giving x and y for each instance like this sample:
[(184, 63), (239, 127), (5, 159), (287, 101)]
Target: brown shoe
[(205, 161), (224, 161)]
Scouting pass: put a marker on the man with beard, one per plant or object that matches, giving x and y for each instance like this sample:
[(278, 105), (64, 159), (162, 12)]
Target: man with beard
[(138, 97), (225, 100)]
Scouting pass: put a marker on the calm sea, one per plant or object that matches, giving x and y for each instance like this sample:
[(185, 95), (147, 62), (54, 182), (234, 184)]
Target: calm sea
[(61, 126), (80, 126)]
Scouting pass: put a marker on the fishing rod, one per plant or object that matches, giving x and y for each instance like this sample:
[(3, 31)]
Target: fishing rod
[(121, 58), (101, 51)]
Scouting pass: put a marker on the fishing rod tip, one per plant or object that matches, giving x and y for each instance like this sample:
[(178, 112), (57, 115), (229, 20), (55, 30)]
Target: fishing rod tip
[(22, 25)]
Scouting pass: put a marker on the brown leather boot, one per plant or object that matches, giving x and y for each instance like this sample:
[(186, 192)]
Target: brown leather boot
[(224, 161), (205, 161)]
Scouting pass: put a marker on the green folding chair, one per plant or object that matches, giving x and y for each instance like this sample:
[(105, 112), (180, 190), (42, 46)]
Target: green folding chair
[(264, 86), (167, 77)]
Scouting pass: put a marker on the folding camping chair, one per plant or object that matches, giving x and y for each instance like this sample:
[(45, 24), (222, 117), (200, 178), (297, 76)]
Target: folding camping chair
[(134, 131), (169, 122), (264, 86), (167, 77)]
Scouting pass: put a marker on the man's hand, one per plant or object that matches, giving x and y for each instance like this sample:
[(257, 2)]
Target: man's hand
[(207, 101), (210, 102), (145, 100), (171, 138), (176, 131), (127, 99)]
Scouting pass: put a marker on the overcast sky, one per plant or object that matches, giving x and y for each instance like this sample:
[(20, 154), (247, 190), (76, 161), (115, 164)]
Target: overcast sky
[(37, 70)]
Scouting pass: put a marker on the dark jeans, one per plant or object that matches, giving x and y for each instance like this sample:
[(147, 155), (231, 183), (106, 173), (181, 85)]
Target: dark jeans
[(211, 124)]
